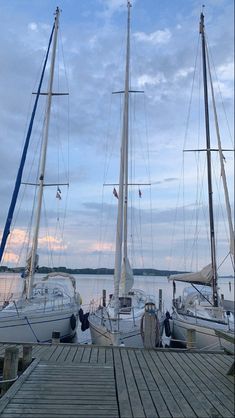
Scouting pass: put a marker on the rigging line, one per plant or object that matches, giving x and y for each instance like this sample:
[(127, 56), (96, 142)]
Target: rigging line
[(209, 53), (68, 102), (191, 94), (175, 218), (149, 179), (108, 145), (101, 226), (63, 222), (27, 234), (60, 229), (219, 185), (141, 241), (50, 254), (6, 231)]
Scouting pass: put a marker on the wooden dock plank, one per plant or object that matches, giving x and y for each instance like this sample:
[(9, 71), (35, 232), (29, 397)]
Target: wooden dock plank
[(206, 385), (64, 353), (120, 382), (196, 396), (157, 395), (81, 390), (109, 355), (94, 355), (79, 354), (220, 381), (86, 355), (72, 353), (216, 370), (162, 386), (136, 405), (122, 393), (101, 355), (139, 377), (166, 372)]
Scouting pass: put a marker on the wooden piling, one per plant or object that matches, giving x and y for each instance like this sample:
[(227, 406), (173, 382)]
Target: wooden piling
[(10, 367), (160, 300), (191, 338), (104, 297), (55, 337), (27, 355)]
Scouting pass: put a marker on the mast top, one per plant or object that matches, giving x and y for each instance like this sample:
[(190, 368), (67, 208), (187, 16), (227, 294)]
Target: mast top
[(202, 26), (129, 4), (57, 12)]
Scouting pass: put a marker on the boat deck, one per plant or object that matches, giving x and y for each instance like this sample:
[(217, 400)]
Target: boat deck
[(70, 380)]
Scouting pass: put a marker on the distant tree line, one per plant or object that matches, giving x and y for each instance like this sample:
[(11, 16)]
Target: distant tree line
[(100, 271)]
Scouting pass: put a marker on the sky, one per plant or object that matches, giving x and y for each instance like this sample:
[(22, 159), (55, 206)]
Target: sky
[(165, 119)]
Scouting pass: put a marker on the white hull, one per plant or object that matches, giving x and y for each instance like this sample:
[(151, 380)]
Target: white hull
[(37, 326), (205, 332), (128, 334)]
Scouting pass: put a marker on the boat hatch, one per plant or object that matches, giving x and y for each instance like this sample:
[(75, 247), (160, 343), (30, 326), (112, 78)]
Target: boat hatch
[(125, 304)]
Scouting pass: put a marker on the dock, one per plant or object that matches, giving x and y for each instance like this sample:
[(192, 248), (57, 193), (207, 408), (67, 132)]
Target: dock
[(71, 380)]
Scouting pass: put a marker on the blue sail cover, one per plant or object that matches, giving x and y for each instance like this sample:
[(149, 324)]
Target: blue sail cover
[(6, 231)]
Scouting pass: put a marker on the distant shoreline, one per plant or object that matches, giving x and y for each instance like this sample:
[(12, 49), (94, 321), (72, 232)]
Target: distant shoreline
[(98, 271)]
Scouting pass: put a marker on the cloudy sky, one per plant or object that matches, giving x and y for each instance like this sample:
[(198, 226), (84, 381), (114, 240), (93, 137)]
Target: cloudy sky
[(165, 64)]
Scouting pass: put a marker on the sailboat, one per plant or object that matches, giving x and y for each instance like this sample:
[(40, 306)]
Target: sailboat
[(118, 322), (200, 308), (51, 304)]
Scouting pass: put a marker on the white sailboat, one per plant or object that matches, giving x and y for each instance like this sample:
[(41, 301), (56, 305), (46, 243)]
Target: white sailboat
[(119, 321), (51, 304), (200, 307)]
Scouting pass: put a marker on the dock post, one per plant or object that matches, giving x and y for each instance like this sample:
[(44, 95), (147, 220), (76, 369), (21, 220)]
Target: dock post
[(27, 355), (191, 338), (160, 300), (104, 298), (10, 367), (55, 337)]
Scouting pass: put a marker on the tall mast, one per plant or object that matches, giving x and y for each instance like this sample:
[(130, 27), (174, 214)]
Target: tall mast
[(209, 176), (43, 158), (126, 134), (121, 232)]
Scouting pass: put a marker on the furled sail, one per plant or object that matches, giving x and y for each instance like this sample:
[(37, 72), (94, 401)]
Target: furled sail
[(202, 276), (28, 264), (127, 278)]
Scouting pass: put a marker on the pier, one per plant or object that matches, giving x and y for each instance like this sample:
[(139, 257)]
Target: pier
[(70, 380)]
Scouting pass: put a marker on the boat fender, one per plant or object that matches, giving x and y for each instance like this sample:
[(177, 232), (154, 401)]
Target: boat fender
[(81, 314), (167, 325), (73, 322), (85, 322)]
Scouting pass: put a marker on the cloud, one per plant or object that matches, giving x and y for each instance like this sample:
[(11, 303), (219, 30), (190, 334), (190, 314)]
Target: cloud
[(167, 180), (226, 71), (147, 79), (55, 244), (155, 38), (33, 26), (183, 72)]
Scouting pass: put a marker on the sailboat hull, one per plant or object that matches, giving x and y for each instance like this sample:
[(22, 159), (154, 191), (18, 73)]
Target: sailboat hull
[(128, 335), (206, 336), (37, 326)]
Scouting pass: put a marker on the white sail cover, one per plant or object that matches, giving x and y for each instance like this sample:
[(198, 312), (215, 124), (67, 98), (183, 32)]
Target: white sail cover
[(127, 278), (202, 276)]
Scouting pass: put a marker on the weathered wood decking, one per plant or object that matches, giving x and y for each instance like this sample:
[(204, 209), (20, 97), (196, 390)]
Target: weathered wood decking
[(69, 380)]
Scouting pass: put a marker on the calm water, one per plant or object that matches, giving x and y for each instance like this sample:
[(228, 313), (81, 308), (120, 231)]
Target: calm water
[(91, 286)]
